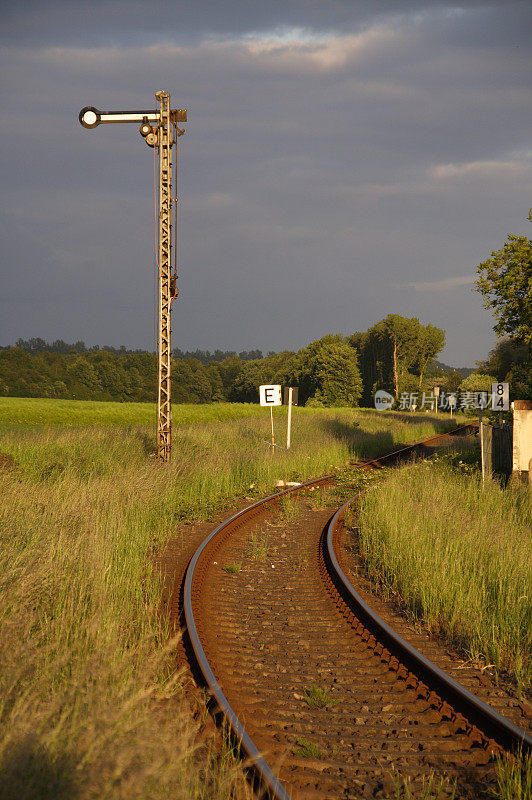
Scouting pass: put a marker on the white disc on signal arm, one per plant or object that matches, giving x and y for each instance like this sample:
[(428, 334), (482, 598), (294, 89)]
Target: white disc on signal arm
[(89, 117)]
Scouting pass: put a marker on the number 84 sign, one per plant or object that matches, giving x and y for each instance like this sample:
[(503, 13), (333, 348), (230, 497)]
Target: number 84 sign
[(500, 396)]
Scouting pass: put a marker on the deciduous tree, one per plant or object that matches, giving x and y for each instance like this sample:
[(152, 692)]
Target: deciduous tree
[(505, 282), (327, 371)]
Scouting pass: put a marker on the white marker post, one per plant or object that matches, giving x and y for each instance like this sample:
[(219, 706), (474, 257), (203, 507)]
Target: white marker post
[(290, 398), (270, 395), (452, 403), (437, 396), (481, 402)]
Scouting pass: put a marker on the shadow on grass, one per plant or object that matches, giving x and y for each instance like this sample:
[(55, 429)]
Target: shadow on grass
[(28, 771), (368, 444), (441, 424), (146, 439), (359, 442)]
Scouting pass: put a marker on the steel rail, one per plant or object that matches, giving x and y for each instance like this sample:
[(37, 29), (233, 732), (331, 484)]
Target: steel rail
[(267, 778), (489, 721)]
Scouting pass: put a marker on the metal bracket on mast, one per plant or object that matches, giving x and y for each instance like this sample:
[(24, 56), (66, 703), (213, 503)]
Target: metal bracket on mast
[(156, 128)]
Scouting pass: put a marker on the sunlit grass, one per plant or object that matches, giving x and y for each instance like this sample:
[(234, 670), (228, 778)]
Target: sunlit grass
[(431, 787), (514, 777), (78, 413), (459, 556)]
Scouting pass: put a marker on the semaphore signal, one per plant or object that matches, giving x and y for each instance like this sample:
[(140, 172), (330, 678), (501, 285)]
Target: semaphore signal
[(159, 129)]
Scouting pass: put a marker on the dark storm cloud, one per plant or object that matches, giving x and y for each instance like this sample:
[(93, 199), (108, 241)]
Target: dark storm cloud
[(138, 22), (342, 161)]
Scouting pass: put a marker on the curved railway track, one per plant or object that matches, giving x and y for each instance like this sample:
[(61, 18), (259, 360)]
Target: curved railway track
[(324, 695)]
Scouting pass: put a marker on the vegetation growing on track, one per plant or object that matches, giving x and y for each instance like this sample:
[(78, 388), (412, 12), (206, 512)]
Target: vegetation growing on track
[(458, 556), (319, 697), (514, 777), (90, 704), (258, 548), (306, 749)]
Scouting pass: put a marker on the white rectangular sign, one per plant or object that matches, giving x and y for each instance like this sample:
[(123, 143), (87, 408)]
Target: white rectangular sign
[(500, 396), (270, 395)]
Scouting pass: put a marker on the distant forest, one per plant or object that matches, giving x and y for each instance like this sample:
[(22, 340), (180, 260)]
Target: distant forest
[(37, 345), (397, 354)]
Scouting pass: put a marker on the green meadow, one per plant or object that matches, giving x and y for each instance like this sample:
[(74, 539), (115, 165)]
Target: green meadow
[(81, 413)]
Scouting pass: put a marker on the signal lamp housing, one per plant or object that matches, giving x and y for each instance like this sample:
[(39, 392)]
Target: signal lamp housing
[(145, 127), (89, 117)]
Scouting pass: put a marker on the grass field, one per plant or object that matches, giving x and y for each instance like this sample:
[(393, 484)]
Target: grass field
[(458, 555), (91, 413), (81, 413), (90, 706)]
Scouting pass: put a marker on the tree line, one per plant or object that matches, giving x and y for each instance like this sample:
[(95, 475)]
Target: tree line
[(37, 345), (395, 354)]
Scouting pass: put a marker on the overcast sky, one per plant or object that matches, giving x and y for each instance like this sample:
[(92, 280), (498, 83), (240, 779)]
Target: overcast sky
[(343, 160)]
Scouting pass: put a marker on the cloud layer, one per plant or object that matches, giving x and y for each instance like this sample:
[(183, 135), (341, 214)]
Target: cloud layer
[(338, 163)]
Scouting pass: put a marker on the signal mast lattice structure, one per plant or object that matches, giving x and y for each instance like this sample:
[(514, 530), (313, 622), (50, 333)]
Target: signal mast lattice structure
[(159, 129)]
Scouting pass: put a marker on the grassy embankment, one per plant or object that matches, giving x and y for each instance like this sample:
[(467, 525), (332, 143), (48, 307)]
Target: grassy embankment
[(458, 556), (89, 704)]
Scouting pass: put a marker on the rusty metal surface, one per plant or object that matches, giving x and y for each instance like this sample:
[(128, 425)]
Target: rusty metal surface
[(264, 637)]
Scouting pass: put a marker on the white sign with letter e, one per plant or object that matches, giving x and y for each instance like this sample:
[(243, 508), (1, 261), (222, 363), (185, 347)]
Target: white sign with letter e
[(270, 395), (500, 396)]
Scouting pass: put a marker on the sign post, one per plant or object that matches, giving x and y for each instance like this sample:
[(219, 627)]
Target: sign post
[(437, 396), (481, 402), (290, 399), (270, 395), (452, 403)]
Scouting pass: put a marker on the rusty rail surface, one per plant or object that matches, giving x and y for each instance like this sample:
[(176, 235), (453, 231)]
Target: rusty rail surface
[(496, 726)]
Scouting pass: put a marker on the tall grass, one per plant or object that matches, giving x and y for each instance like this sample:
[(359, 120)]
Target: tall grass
[(90, 705), (514, 777), (460, 557)]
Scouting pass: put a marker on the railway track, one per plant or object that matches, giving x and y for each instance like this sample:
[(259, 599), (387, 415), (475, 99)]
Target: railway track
[(325, 696)]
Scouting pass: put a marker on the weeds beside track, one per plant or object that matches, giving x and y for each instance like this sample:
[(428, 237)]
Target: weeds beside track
[(464, 564)]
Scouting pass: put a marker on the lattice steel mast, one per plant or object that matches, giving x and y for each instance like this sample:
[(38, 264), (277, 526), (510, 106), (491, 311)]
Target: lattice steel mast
[(159, 129), (164, 407)]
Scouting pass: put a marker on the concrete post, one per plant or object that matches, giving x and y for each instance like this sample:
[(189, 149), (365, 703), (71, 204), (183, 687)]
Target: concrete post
[(522, 440)]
